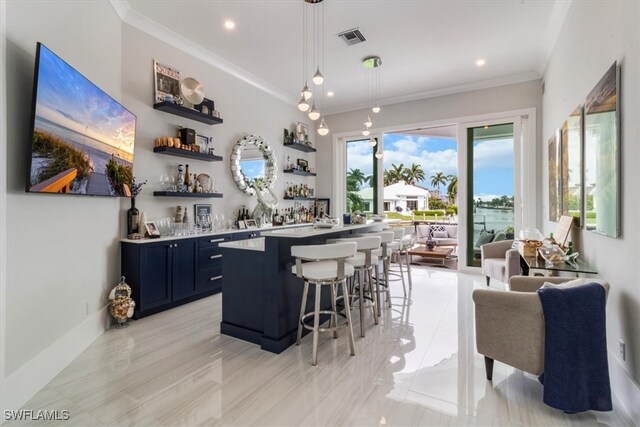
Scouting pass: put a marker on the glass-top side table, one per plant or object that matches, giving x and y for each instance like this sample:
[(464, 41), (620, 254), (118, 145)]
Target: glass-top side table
[(538, 263)]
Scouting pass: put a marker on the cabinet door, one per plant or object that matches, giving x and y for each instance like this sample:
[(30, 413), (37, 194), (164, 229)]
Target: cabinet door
[(184, 268), (155, 275)]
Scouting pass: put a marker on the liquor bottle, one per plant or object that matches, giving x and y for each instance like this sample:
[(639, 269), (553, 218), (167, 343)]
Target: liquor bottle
[(133, 218), (185, 218), (187, 178), (195, 183)]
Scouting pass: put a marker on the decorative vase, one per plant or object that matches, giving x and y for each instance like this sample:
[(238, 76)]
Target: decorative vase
[(430, 244), (133, 218), (121, 303)]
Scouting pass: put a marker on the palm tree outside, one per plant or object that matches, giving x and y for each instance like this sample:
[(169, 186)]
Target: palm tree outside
[(438, 179), (413, 174)]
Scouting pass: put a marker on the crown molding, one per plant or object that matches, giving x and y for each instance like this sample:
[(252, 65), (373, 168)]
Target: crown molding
[(144, 24), (434, 93)]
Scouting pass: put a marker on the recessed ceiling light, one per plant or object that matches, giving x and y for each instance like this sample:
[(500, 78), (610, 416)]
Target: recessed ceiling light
[(229, 24), (480, 62), (330, 93)]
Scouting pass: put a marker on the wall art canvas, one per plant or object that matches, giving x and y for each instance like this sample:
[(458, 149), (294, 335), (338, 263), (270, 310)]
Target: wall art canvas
[(554, 182), (571, 167), (166, 81)]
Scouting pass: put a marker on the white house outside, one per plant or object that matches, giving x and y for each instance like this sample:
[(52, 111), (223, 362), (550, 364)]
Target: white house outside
[(398, 197)]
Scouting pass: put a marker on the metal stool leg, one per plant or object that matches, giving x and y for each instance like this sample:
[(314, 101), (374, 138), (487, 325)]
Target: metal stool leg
[(408, 257), (374, 296), (316, 325), (303, 305), (378, 290), (361, 302), (334, 315), (404, 287), (347, 310), (385, 267)]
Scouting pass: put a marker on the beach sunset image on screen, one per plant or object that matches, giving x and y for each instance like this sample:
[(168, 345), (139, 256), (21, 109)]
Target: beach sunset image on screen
[(83, 139)]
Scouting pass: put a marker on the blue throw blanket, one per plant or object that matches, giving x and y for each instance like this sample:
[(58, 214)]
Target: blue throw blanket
[(576, 370)]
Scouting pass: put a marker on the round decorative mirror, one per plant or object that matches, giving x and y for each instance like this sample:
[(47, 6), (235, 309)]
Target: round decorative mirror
[(253, 162)]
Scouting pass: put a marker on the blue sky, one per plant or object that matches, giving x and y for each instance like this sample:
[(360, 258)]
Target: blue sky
[(493, 160), (252, 168), (67, 98)]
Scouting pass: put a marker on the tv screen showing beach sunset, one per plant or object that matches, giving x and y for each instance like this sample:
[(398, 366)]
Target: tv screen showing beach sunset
[(82, 138)]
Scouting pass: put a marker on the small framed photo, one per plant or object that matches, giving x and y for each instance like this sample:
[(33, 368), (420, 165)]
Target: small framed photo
[(205, 107), (203, 142), (322, 207), (241, 225), (152, 229), (202, 214), (302, 132), (250, 223), (303, 164)]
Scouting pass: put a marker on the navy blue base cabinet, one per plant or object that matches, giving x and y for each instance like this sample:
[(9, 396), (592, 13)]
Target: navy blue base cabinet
[(169, 273)]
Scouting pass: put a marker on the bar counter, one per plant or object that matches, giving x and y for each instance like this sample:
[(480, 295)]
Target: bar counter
[(261, 297)]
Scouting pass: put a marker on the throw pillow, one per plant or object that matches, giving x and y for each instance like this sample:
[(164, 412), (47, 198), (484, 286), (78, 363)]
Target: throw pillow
[(571, 283), (440, 234), (484, 238)]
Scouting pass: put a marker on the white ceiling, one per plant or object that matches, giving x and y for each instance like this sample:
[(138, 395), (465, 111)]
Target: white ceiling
[(427, 47)]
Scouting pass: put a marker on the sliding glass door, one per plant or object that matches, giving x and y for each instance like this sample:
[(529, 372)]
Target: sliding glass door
[(361, 177), (491, 187)]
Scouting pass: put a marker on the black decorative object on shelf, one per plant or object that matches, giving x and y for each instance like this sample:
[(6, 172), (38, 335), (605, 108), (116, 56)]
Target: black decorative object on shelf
[(301, 147), (299, 198), (299, 172), (185, 194), (187, 113), (171, 151)]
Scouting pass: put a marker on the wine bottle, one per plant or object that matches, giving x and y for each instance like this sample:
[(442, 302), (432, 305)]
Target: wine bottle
[(133, 218), (187, 178)]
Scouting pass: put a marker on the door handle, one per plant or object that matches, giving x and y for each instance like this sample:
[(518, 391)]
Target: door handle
[(211, 279), (216, 240), (215, 256)]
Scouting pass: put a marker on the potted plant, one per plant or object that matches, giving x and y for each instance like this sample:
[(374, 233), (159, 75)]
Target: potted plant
[(510, 232)]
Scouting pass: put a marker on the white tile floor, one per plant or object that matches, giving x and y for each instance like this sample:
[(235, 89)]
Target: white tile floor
[(418, 367)]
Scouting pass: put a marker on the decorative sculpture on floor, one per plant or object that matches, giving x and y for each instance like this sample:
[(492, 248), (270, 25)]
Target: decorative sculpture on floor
[(121, 303)]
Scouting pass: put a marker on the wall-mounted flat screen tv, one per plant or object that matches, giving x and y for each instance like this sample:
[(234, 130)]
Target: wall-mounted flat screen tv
[(82, 140)]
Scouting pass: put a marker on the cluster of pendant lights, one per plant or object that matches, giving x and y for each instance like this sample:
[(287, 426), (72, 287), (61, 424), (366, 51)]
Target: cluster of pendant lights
[(318, 53), (372, 64)]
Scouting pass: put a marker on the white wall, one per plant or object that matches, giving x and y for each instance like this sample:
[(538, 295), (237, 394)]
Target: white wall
[(64, 253), (443, 108), (594, 35)]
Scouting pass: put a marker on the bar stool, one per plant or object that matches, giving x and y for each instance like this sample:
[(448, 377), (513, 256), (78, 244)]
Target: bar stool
[(384, 254), (363, 262), (406, 243), (326, 266), (398, 235)]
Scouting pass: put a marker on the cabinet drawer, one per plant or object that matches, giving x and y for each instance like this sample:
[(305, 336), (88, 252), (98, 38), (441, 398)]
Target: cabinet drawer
[(213, 241), (246, 235), (209, 257), (210, 279)]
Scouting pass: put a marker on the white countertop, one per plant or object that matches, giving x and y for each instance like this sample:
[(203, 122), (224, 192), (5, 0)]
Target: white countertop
[(310, 232), (216, 233), (256, 244)]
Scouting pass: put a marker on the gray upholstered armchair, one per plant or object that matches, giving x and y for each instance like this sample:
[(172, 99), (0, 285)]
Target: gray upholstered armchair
[(510, 324), (499, 261)]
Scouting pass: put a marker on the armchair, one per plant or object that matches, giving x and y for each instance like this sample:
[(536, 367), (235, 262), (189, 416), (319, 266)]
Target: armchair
[(510, 324), (499, 261)]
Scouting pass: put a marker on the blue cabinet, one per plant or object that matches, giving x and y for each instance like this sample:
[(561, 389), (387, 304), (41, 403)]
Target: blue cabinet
[(166, 274), (244, 235)]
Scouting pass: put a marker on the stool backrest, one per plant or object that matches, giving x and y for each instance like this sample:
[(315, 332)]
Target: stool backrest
[(330, 251), (385, 236), (366, 242), (398, 233)]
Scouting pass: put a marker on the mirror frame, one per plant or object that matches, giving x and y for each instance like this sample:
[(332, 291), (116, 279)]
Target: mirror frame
[(253, 141)]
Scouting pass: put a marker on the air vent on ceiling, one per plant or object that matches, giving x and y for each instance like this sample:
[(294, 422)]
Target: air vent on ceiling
[(351, 37)]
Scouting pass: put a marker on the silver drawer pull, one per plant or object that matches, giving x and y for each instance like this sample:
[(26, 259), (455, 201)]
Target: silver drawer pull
[(211, 279), (216, 240), (215, 256)]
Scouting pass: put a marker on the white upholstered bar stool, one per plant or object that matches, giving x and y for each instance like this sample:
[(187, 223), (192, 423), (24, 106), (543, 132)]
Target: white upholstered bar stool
[(384, 255), (406, 243), (396, 248), (325, 265), (363, 262)]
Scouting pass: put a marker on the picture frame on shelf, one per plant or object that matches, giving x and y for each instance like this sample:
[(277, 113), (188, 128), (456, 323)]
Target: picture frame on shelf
[(166, 82), (207, 107), (201, 210), (241, 225), (322, 206), (250, 223), (303, 164), (204, 141), (302, 132), (152, 229)]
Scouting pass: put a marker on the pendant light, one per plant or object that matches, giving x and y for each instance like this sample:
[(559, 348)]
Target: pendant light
[(318, 78), (378, 153), (368, 123), (303, 105), (323, 129), (376, 108), (314, 113), (365, 131), (372, 142), (306, 92)]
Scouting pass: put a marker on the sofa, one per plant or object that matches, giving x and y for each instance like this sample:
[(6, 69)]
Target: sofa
[(442, 234)]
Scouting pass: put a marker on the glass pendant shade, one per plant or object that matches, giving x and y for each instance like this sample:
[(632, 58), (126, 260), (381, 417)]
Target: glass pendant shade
[(372, 142), (365, 132), (368, 123), (303, 105), (314, 113), (323, 129), (376, 108), (378, 154), (306, 92), (318, 78)]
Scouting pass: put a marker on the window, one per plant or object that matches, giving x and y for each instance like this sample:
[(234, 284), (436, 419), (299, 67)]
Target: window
[(412, 205), (362, 175)]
